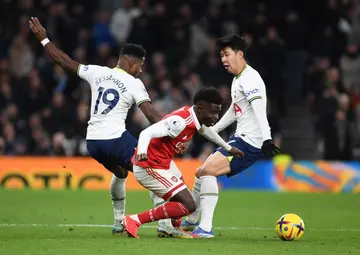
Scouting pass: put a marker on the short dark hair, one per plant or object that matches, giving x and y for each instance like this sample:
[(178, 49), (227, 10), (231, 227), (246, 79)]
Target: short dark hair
[(234, 41), (210, 95), (132, 49)]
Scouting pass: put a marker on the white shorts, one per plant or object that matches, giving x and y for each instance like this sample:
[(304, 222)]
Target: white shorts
[(163, 183)]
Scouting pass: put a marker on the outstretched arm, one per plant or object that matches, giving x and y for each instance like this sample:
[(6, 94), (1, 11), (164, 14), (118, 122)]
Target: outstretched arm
[(210, 134), (226, 120), (58, 56), (151, 114), (143, 101), (171, 126)]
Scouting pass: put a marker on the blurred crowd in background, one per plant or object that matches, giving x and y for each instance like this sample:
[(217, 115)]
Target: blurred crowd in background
[(304, 50)]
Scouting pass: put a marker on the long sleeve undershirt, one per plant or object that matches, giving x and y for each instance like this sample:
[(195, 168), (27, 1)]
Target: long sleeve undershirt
[(163, 128), (259, 108)]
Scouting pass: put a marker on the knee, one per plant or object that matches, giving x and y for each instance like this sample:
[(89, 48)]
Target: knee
[(119, 172), (205, 170), (191, 206)]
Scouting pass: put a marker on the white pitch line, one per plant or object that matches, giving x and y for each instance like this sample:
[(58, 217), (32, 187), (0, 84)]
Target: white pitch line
[(153, 227)]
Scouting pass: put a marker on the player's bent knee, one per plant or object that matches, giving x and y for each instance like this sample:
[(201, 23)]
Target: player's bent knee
[(119, 172), (205, 170), (216, 165), (186, 199), (191, 206), (198, 172)]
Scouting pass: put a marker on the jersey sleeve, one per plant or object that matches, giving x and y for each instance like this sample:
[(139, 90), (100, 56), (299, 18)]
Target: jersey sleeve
[(174, 125), (226, 120), (252, 91), (140, 93), (211, 134), (171, 126), (88, 72)]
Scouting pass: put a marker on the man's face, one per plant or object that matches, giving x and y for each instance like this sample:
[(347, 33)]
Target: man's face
[(136, 67), (208, 113), (231, 59)]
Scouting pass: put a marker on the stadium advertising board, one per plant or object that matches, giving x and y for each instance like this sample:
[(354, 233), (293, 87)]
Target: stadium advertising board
[(284, 174), (68, 173), (281, 174)]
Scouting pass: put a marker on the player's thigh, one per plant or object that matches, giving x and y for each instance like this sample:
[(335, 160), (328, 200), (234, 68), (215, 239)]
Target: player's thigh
[(119, 172), (233, 165), (114, 154), (123, 149), (173, 170), (161, 182), (216, 164), (99, 150)]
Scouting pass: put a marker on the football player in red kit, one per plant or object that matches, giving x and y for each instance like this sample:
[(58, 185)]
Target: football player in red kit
[(157, 147)]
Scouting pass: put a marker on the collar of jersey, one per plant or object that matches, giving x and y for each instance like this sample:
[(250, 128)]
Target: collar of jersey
[(237, 76), (193, 115), (119, 69)]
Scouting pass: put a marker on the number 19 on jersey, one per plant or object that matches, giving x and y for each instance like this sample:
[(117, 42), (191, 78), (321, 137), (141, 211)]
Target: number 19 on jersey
[(104, 96)]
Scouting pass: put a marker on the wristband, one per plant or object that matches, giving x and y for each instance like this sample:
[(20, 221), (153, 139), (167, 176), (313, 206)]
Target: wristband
[(45, 41)]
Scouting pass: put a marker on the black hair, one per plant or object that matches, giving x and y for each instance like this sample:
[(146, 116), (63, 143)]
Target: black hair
[(234, 41), (134, 50), (210, 95)]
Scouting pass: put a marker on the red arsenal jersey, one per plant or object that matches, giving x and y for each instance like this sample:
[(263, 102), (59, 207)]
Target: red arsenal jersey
[(162, 150)]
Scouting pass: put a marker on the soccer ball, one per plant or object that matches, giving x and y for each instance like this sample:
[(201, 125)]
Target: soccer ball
[(290, 227)]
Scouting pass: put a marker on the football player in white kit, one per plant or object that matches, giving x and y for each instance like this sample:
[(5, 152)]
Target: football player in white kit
[(252, 135), (114, 91)]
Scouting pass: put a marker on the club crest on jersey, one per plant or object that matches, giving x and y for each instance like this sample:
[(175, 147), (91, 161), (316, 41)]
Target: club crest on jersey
[(144, 90), (237, 109), (174, 179)]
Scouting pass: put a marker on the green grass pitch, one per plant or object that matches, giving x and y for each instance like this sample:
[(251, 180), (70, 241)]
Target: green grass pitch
[(245, 224)]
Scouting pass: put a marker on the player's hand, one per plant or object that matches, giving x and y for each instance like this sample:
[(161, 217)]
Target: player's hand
[(37, 29), (141, 157), (269, 148), (236, 152)]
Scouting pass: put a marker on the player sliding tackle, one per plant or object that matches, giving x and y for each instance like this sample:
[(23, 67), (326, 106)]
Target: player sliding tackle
[(157, 148), (113, 92), (252, 135)]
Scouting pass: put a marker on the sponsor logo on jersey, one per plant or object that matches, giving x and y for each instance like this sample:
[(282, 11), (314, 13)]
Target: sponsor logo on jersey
[(252, 92), (184, 138), (86, 68)]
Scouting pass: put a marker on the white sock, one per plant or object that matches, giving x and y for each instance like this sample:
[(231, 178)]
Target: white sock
[(159, 201), (118, 196), (194, 217), (208, 200)]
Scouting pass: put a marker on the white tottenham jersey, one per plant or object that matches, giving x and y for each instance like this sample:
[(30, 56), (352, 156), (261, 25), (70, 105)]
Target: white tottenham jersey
[(113, 92), (247, 87)]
